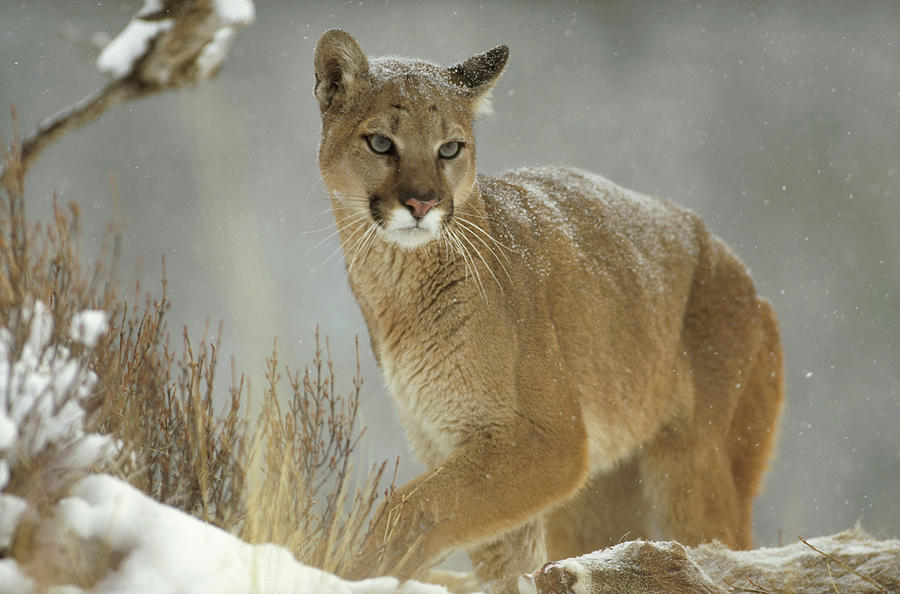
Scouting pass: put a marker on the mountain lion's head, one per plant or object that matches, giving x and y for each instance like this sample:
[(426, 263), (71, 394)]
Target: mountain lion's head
[(397, 142)]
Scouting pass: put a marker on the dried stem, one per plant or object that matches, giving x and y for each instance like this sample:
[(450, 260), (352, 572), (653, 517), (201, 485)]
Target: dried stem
[(844, 565)]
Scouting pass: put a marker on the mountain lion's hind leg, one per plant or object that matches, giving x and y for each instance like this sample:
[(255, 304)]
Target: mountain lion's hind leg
[(755, 422), (691, 488), (609, 509), (698, 470), (499, 563)]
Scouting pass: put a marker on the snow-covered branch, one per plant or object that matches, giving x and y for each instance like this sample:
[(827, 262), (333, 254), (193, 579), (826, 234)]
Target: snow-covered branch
[(168, 44)]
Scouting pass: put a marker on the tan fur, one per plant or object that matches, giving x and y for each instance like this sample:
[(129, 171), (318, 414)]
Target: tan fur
[(573, 361)]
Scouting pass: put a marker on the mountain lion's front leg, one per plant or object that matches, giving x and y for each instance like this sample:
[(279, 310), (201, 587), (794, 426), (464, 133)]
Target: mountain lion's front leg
[(495, 482)]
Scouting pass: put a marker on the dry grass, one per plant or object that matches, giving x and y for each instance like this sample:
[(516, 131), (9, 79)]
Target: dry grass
[(304, 497), (286, 477)]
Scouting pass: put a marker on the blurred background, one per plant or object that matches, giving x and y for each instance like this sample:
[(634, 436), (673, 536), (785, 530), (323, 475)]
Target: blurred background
[(779, 122)]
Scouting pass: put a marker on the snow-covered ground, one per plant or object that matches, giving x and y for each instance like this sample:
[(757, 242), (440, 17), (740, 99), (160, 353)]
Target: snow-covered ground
[(158, 549), (169, 551)]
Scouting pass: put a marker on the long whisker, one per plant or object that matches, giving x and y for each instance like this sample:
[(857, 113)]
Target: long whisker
[(450, 248), (465, 253), (338, 249), (357, 215), (312, 188), (341, 197), (355, 219), (350, 219), (472, 214), (371, 243), (326, 260), (480, 256), (367, 235), (499, 244), (330, 210), (487, 245), (454, 243)]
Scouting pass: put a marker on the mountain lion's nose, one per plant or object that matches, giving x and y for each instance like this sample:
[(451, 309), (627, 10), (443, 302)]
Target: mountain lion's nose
[(419, 208)]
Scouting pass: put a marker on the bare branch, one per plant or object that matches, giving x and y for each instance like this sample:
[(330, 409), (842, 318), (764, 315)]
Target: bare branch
[(86, 110)]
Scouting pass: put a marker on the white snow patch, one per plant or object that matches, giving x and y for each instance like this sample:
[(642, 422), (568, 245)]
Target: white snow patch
[(150, 7), (121, 54), (235, 12), (13, 580), (214, 52), (11, 509), (41, 327), (167, 550), (87, 326), (8, 434), (41, 392)]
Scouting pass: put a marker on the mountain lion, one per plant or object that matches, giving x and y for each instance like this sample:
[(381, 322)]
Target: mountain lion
[(575, 363)]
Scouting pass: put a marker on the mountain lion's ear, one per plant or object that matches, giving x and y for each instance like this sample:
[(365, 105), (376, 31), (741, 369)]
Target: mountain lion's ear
[(339, 62), (480, 73)]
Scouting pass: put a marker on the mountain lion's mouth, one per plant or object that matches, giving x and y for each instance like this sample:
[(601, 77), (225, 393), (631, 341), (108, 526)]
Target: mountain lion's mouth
[(409, 237), (404, 229)]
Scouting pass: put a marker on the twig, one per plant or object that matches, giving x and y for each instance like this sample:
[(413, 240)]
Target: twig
[(89, 108), (831, 578), (174, 57), (736, 589), (844, 565), (760, 588)]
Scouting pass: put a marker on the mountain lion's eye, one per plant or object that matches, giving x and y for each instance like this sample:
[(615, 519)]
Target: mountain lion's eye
[(450, 149), (380, 144)]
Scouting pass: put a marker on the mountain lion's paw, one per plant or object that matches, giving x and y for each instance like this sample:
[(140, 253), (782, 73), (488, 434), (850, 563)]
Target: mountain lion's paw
[(551, 578)]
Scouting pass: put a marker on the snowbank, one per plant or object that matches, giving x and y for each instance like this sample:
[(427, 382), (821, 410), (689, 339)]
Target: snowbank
[(165, 550)]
